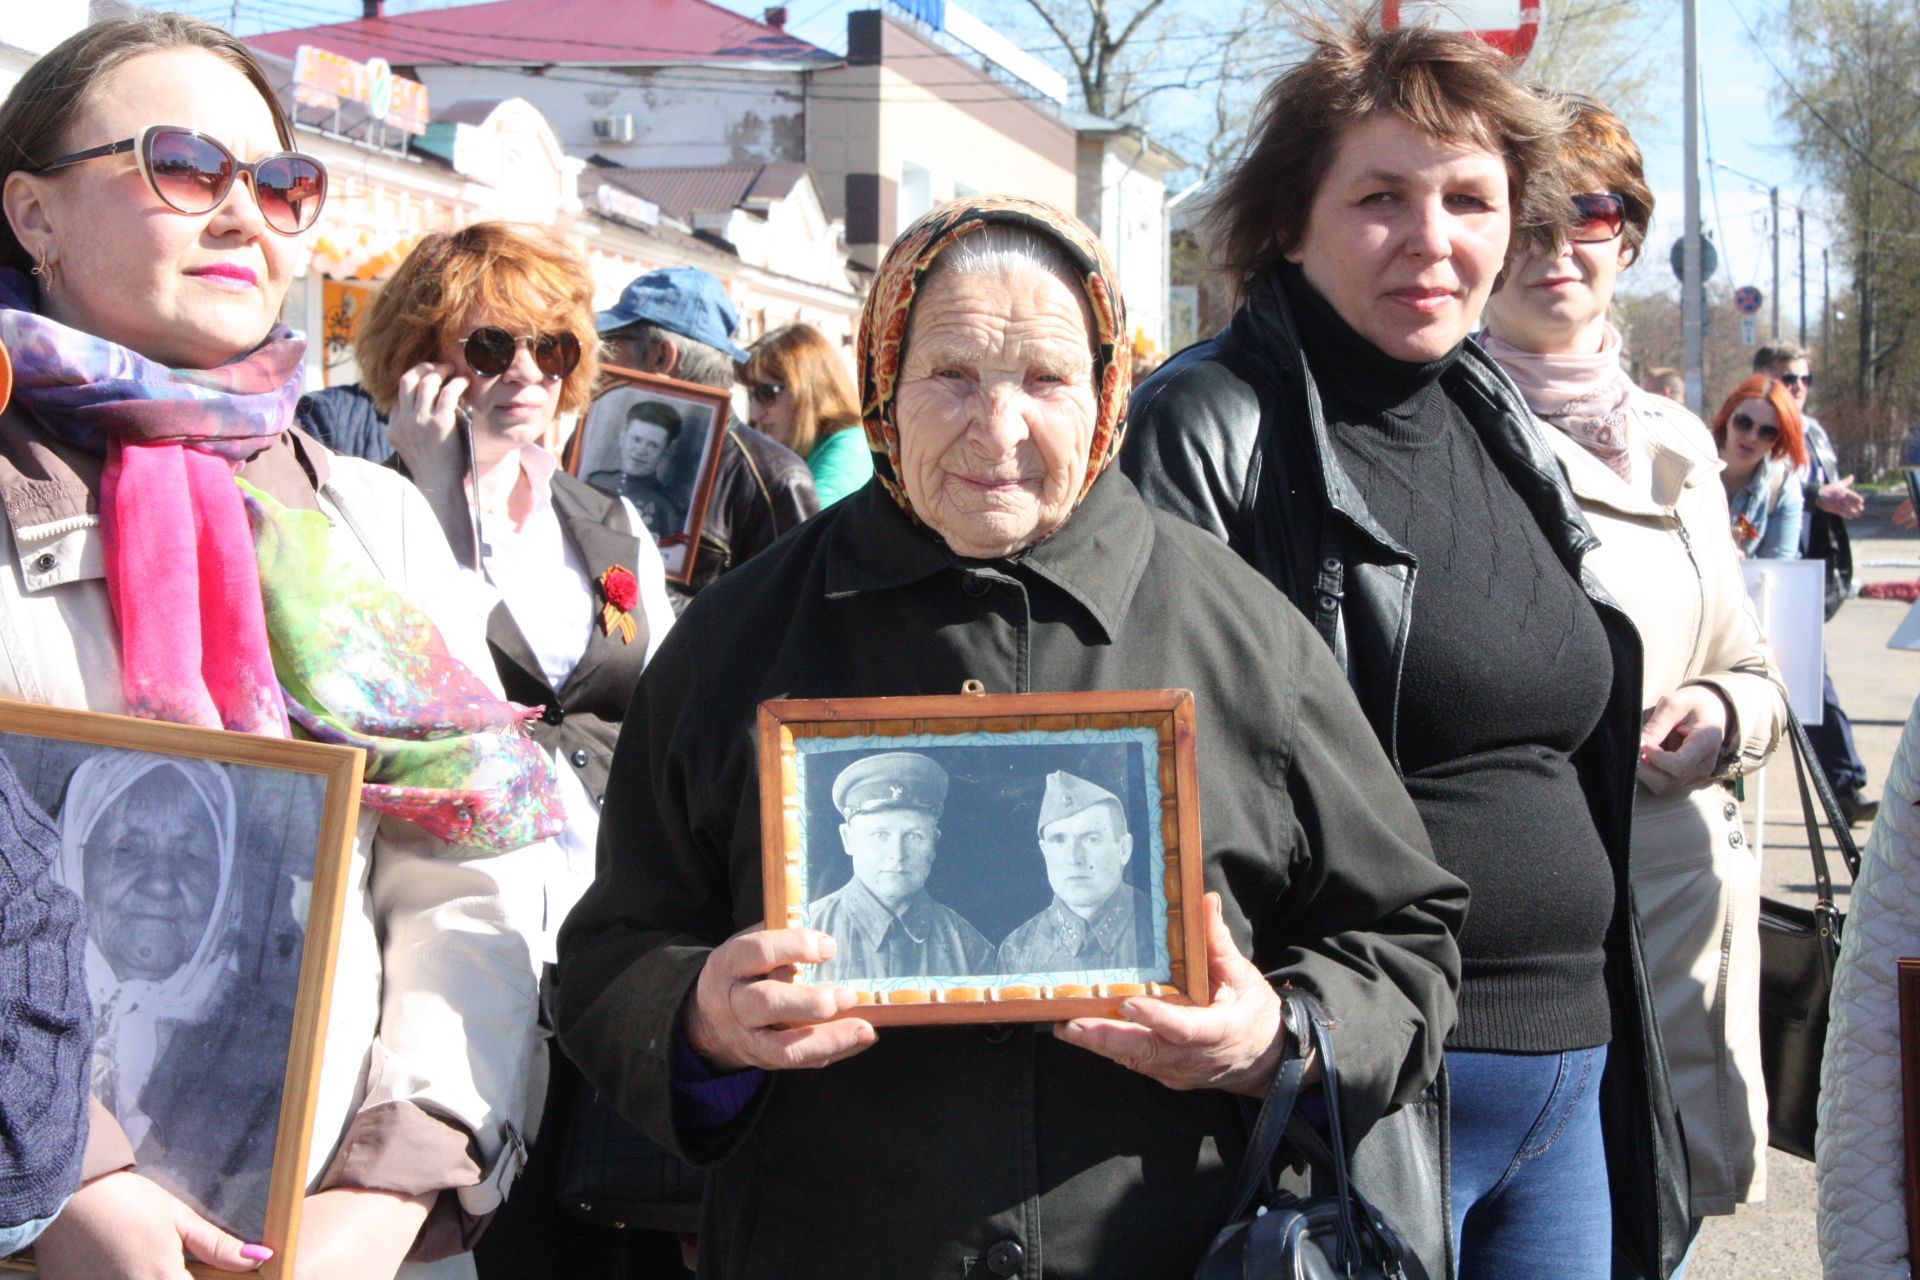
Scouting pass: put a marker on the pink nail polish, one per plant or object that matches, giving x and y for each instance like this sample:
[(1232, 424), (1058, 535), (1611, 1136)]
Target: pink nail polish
[(255, 1252)]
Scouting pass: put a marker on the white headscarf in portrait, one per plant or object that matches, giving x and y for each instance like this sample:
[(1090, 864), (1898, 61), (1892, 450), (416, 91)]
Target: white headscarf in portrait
[(127, 1012)]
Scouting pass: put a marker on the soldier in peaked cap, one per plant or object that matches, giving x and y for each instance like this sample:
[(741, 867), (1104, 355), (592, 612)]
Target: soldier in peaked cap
[(886, 923), (1094, 921)]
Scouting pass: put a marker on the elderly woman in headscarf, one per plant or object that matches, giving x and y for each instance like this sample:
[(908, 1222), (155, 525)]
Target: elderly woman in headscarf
[(148, 841), (997, 547)]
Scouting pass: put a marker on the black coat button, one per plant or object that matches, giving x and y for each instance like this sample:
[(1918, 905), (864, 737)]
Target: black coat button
[(553, 713), (975, 585), (579, 759), (1004, 1258)]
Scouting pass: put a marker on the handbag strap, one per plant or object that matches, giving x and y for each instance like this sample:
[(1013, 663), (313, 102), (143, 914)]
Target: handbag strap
[(1807, 768), (1307, 1022)]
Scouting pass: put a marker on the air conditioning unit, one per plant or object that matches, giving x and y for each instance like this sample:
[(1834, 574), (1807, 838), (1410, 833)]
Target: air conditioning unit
[(613, 128)]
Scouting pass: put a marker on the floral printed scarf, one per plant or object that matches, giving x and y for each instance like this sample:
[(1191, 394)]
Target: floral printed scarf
[(883, 324), (231, 613)]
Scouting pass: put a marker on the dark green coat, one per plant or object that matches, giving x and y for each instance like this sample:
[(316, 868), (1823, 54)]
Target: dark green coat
[(919, 1156)]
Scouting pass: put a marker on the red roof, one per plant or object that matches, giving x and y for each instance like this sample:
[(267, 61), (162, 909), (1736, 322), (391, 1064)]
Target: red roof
[(548, 32), (683, 191)]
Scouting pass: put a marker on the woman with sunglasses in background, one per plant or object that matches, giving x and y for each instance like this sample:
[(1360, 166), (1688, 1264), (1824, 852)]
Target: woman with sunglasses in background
[(1642, 469), (1759, 434), (799, 392), (486, 335), (153, 207)]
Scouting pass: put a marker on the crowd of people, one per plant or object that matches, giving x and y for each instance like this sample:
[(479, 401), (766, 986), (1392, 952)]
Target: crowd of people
[(1459, 605)]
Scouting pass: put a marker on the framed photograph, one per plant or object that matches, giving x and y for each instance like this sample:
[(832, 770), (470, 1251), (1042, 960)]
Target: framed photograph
[(656, 442), (988, 858), (213, 867)]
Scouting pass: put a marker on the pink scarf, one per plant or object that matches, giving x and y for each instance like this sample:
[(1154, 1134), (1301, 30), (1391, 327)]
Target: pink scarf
[(212, 585), (1583, 396)]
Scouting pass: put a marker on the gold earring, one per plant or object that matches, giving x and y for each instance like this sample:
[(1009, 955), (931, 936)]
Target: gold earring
[(44, 269)]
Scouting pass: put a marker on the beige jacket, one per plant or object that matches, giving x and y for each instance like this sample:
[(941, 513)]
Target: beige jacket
[(435, 990), (1669, 561)]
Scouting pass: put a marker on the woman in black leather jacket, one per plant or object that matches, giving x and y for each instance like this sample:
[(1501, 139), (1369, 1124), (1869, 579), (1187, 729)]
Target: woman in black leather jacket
[(1348, 441)]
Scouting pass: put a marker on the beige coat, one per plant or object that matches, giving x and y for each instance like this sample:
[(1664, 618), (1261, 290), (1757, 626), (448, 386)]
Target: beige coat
[(435, 990), (1669, 560)]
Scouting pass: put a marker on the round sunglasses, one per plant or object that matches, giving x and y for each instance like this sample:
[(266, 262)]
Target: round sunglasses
[(1765, 430), (490, 350), (1597, 218), (192, 174)]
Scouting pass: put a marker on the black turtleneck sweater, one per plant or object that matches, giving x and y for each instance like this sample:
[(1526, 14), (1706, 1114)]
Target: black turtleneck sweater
[(1506, 672)]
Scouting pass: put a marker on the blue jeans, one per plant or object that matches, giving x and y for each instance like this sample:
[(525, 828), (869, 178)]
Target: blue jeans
[(1530, 1195), (1832, 741)]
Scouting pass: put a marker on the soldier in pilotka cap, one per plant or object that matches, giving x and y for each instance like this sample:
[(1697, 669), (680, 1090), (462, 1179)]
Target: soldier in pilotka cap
[(1094, 920), (886, 923)]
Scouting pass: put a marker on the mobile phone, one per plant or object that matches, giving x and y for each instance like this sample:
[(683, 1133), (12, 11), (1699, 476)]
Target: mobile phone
[(1913, 488), (470, 483)]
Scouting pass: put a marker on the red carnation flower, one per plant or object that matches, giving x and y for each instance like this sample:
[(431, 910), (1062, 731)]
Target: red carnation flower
[(620, 588)]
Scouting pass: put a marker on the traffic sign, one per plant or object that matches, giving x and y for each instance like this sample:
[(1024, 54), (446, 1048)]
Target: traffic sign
[(1749, 331), (1709, 258), (1511, 26), (1747, 300)]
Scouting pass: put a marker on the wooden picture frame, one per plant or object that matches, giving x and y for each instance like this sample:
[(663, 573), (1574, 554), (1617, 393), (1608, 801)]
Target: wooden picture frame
[(672, 495), (1022, 773), (251, 993)]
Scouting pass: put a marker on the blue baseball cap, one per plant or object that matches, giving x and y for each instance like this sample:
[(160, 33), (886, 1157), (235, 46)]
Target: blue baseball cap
[(685, 300)]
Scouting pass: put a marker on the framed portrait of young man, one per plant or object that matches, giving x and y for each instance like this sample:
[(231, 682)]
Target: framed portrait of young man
[(213, 868), (988, 858), (655, 442)]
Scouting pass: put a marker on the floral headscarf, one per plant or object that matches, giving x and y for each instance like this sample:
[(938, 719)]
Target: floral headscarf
[(883, 325)]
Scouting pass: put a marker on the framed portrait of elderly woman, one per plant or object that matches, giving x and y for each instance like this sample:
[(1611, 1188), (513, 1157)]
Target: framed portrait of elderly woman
[(656, 442), (988, 858), (213, 867)]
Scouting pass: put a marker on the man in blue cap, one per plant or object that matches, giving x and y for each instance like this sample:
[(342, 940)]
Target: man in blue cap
[(679, 322), (884, 921)]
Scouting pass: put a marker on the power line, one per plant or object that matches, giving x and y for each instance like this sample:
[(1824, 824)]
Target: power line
[(1839, 134)]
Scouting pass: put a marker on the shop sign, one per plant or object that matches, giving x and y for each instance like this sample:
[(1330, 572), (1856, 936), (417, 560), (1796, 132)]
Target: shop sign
[(624, 205), (326, 80), (342, 305)]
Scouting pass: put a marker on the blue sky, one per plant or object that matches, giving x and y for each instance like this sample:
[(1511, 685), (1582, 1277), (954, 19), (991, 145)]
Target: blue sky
[(1740, 90)]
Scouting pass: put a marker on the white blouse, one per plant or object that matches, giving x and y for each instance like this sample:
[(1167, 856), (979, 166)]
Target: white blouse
[(539, 574)]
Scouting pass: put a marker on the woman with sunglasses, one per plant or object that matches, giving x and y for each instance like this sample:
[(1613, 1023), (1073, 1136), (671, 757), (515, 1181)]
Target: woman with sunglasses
[(1642, 469), (486, 335), (1761, 441), (152, 222), (799, 393)]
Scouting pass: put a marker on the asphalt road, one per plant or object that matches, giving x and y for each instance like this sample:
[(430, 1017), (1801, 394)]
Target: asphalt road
[(1877, 687)]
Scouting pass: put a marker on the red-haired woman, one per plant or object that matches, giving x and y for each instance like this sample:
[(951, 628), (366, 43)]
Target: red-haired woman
[(494, 324), (1758, 431)]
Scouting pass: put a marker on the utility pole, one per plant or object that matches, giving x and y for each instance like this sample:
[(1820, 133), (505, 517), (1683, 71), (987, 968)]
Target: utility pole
[(1826, 315), (1691, 297), (1800, 227), (1773, 197)]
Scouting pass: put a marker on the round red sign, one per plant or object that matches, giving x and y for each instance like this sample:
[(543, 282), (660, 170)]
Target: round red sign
[(1510, 26)]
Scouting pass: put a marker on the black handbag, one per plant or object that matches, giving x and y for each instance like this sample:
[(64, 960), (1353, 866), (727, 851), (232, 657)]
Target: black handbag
[(1277, 1235), (1798, 948)]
